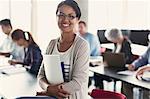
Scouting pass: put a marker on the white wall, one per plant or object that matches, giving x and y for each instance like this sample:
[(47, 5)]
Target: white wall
[(38, 16), (4, 13), (47, 27), (20, 11), (124, 14)]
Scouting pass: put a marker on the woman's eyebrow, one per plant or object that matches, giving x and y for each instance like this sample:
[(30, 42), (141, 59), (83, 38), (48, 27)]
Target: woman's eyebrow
[(67, 14)]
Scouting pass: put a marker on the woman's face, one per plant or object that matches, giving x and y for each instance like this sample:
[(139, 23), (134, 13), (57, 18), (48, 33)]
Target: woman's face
[(67, 19), (20, 42)]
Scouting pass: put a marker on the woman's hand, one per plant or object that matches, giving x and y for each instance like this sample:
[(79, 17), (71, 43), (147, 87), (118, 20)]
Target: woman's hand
[(56, 90), (12, 62), (131, 67), (141, 70)]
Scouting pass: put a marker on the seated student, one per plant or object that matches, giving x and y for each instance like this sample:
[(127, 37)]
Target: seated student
[(90, 38), (139, 63), (8, 47), (94, 45), (122, 44), (33, 56)]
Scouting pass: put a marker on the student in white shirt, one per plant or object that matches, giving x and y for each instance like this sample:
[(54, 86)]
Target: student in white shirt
[(8, 47)]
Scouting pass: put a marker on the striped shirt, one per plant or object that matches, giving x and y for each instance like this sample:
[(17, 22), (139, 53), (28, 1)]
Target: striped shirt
[(65, 61)]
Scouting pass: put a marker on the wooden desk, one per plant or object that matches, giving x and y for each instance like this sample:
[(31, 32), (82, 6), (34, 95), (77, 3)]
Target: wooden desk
[(127, 79), (15, 85)]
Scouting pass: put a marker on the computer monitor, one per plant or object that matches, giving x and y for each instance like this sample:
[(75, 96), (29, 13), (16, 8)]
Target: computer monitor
[(139, 37), (102, 38)]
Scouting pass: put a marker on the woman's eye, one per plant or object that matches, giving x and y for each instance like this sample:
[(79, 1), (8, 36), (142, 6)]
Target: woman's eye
[(71, 17)]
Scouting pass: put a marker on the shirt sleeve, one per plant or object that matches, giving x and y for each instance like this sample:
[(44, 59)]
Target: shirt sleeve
[(80, 69), (36, 60), (18, 53), (143, 60), (95, 49)]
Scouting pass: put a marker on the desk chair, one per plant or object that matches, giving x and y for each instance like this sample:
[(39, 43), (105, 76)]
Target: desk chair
[(102, 94)]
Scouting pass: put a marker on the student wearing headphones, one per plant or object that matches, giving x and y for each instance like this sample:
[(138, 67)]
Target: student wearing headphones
[(33, 57)]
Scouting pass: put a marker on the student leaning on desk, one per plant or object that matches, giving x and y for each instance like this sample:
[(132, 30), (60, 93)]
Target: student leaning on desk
[(140, 64), (33, 57), (8, 47), (73, 51)]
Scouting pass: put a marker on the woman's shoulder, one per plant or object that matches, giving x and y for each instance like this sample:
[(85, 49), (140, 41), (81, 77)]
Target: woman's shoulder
[(35, 47), (80, 40), (52, 42)]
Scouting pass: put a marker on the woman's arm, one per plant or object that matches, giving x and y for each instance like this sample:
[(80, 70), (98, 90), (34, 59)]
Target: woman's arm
[(36, 60), (141, 70), (14, 62), (50, 90), (142, 60), (41, 78)]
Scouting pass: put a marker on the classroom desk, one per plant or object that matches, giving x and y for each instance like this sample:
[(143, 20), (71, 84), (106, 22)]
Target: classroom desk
[(15, 85), (127, 79), (135, 48)]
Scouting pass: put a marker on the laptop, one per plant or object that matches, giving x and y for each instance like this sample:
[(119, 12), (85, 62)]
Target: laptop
[(114, 60)]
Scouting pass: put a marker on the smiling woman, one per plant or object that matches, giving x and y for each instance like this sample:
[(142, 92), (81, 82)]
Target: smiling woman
[(73, 52)]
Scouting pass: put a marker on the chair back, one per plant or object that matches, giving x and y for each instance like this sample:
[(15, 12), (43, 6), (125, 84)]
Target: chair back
[(102, 94)]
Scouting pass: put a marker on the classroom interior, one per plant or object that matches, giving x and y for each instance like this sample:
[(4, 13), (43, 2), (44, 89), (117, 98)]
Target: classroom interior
[(38, 17)]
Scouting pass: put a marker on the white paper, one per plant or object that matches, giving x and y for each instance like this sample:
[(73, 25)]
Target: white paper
[(53, 70), (6, 67), (146, 75), (126, 72), (13, 70)]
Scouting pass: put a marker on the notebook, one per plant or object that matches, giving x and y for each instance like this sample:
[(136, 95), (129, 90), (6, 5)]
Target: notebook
[(53, 70), (15, 70), (114, 60), (9, 70)]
